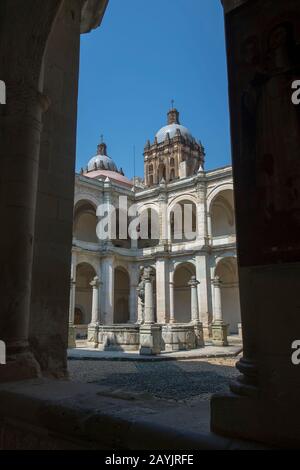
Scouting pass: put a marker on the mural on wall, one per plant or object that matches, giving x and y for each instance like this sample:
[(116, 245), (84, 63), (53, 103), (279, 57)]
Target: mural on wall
[(266, 154)]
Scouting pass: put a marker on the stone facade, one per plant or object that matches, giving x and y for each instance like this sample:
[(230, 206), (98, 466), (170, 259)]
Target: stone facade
[(166, 280)]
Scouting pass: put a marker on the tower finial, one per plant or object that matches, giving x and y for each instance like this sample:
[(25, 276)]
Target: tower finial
[(173, 115), (101, 148), (172, 104)]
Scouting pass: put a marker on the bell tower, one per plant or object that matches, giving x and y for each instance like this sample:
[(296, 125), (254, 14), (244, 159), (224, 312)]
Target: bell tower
[(174, 153)]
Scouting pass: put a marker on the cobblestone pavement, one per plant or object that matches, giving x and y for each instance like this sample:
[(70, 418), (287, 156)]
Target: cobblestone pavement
[(179, 381)]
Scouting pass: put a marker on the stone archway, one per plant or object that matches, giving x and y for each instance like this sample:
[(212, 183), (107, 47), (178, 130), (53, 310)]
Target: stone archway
[(121, 240), (85, 273), (222, 214), (182, 292), (85, 222), (183, 221), (121, 295), (148, 228), (226, 270)]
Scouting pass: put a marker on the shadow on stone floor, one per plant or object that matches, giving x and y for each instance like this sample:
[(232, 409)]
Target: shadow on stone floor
[(178, 381)]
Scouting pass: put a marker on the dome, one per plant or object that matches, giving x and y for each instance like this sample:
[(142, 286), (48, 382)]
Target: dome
[(101, 162), (172, 130), (101, 167)]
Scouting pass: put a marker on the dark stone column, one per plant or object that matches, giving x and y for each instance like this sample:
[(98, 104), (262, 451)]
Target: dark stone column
[(263, 40), (23, 36), (54, 215)]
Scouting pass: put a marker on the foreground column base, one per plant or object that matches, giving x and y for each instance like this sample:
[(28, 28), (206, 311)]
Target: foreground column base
[(150, 339), (20, 366), (219, 334), (72, 337), (255, 419)]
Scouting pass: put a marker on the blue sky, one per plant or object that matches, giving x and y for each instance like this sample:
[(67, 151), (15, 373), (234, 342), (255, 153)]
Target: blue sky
[(145, 54)]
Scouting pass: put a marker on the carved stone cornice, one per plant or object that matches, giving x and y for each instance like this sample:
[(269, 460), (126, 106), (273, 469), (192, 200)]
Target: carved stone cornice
[(92, 14)]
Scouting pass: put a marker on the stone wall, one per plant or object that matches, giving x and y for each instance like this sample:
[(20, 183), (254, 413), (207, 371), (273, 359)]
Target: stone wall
[(54, 218)]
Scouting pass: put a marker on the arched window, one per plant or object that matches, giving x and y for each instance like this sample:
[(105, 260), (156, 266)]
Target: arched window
[(161, 172), (226, 270), (150, 175), (85, 273), (183, 222), (85, 222), (122, 239), (182, 292), (121, 295), (149, 228), (222, 214)]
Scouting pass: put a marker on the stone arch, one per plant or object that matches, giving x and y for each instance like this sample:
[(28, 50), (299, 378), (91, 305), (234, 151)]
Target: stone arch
[(84, 196), (149, 226), (182, 197), (182, 216), (215, 191), (121, 295), (85, 273), (182, 291), (226, 270), (222, 213), (122, 221), (85, 221)]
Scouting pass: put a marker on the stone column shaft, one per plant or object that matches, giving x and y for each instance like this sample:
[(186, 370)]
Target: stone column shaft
[(219, 328), (133, 303), (140, 311), (72, 302), (149, 307), (95, 320), (194, 299), (172, 310), (218, 316), (161, 289), (209, 226)]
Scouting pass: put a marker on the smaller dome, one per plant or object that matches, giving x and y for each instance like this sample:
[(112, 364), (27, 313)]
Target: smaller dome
[(101, 161)]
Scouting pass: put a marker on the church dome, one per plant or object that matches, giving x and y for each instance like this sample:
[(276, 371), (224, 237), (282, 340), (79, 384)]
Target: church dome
[(101, 161), (102, 167), (173, 128)]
